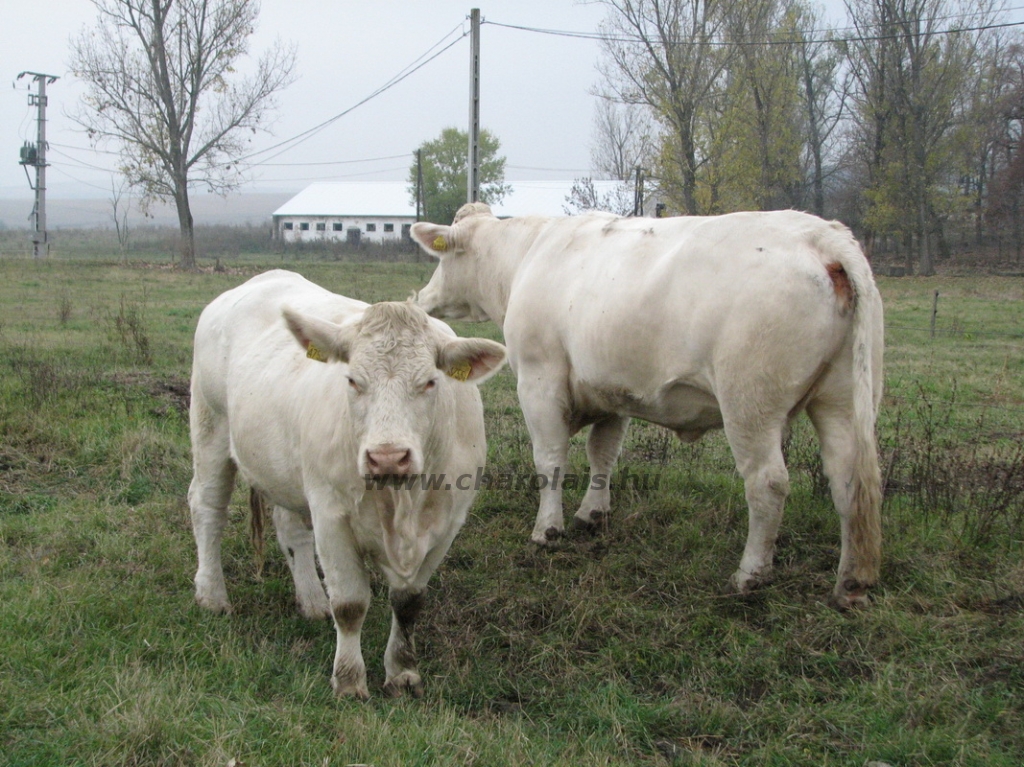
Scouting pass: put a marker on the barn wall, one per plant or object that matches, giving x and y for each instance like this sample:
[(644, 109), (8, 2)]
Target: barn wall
[(371, 228)]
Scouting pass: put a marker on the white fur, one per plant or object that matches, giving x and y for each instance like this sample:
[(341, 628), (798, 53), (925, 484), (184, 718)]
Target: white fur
[(693, 323), (299, 430)]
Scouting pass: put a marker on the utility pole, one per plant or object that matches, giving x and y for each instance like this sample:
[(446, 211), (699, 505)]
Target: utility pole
[(473, 168), (36, 156), (638, 193), (421, 204)]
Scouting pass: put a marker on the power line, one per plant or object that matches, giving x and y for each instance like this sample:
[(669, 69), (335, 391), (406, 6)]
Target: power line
[(332, 162), (848, 35), (552, 170), (76, 163), (335, 175), (410, 69), (290, 143)]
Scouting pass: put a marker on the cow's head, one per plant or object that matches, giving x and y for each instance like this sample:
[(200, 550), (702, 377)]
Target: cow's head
[(401, 368), (454, 290), (401, 375)]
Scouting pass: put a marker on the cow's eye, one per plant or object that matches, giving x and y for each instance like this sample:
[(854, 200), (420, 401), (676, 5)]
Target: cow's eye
[(430, 384), (354, 386)]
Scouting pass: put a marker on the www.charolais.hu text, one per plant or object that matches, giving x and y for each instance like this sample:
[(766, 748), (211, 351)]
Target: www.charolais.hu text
[(483, 480)]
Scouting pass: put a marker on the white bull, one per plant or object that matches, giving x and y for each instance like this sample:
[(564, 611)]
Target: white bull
[(694, 323), (338, 448)]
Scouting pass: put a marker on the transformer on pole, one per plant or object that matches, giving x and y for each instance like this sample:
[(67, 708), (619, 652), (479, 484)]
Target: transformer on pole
[(35, 155)]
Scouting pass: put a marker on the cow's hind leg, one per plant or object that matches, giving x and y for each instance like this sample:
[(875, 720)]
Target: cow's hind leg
[(295, 536), (209, 493), (603, 445), (858, 513), (758, 454)]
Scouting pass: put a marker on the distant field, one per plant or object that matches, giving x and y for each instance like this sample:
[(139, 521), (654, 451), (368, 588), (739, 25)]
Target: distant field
[(616, 649)]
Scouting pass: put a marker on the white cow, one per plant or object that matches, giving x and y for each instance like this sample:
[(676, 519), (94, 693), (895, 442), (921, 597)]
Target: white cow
[(343, 449), (694, 323)]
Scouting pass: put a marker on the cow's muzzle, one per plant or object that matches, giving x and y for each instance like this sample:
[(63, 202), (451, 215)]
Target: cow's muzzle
[(389, 460)]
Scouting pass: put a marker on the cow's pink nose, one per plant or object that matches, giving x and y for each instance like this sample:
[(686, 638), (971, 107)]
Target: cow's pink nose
[(387, 460)]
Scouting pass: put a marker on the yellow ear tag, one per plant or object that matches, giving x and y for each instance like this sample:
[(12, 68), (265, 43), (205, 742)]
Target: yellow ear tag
[(460, 371), (440, 244), (315, 354)]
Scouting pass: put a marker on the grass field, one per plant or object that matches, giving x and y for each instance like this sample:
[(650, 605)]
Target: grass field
[(615, 649)]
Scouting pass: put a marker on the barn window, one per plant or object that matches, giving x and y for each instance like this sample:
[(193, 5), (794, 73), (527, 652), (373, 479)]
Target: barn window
[(321, 227), (288, 225), (371, 227), (304, 226), (337, 226), (389, 227)]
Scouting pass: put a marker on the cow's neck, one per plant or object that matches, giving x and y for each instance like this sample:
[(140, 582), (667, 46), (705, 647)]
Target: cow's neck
[(499, 262)]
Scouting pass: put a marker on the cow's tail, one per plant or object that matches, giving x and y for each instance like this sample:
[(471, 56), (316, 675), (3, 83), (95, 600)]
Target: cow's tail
[(860, 569), (258, 503)]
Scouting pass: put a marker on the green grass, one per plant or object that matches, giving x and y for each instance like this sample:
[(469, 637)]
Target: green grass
[(614, 649)]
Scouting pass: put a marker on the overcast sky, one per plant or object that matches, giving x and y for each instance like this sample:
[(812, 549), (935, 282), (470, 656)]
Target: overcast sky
[(535, 88)]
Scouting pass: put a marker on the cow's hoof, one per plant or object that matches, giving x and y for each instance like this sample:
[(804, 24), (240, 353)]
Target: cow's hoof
[(214, 605), (548, 538), (850, 594), (406, 682), (592, 522), (741, 583), (349, 689)]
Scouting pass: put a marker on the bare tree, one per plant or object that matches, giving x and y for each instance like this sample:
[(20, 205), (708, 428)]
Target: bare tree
[(623, 139), (162, 84), (824, 87), (119, 213), (584, 197), (664, 54)]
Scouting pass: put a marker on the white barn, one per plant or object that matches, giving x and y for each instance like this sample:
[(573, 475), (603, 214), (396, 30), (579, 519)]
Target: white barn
[(381, 211), (356, 212)]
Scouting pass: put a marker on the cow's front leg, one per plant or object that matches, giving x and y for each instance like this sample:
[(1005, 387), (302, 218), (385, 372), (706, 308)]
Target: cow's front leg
[(603, 446), (400, 656), (348, 591), (546, 414), (208, 496)]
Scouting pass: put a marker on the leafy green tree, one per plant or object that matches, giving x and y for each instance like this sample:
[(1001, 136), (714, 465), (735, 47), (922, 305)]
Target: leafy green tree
[(763, 89), (444, 166), (162, 85)]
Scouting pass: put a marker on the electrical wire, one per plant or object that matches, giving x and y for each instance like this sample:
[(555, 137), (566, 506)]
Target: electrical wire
[(332, 162), (410, 69), (833, 35)]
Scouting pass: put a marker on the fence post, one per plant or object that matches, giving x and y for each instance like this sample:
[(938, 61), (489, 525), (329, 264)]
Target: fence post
[(935, 311)]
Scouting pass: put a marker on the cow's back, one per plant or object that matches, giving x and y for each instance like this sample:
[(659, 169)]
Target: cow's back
[(243, 326), (638, 305)]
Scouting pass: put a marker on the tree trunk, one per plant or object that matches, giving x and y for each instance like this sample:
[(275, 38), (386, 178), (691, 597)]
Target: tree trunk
[(927, 265), (187, 243), (689, 166)]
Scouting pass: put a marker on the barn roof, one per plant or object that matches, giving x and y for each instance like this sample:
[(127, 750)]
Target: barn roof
[(391, 198), (354, 198)]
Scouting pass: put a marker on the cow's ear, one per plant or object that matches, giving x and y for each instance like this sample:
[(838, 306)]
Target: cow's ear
[(323, 341), (435, 239), (471, 359)]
